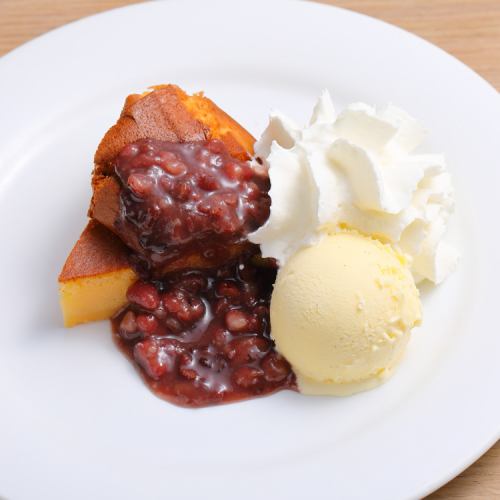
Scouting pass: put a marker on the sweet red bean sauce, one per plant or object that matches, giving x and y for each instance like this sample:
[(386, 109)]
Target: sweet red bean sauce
[(203, 337), (198, 336), (187, 197)]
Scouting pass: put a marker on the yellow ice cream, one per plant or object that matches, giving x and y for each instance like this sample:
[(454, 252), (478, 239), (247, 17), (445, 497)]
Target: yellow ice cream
[(342, 311)]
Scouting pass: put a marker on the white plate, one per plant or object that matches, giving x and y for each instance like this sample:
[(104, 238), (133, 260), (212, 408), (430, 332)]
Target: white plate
[(75, 419)]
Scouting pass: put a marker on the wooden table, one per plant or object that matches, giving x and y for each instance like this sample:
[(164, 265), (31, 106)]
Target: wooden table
[(468, 29)]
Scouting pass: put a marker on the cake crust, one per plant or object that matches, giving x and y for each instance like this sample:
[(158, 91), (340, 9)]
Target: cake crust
[(97, 251), (97, 272), (164, 113)]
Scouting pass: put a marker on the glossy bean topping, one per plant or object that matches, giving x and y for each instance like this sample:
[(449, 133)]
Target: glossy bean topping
[(187, 197), (203, 337)]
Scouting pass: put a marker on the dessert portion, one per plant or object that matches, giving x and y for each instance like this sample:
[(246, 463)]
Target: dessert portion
[(186, 204), (230, 274), (95, 277), (146, 189), (369, 226), (203, 336), (100, 260), (356, 170), (166, 253), (342, 311)]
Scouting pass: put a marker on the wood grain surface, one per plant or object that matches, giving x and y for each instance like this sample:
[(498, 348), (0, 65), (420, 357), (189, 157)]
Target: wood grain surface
[(468, 29)]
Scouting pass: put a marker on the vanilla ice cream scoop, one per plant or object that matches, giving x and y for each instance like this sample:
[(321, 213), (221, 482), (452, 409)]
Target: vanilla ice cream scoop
[(342, 311)]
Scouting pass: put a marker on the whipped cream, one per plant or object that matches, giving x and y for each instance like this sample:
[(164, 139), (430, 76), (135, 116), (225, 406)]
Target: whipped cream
[(356, 170)]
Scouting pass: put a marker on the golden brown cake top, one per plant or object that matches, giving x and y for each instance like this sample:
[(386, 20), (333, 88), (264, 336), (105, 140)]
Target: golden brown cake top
[(98, 251), (167, 113), (164, 113)]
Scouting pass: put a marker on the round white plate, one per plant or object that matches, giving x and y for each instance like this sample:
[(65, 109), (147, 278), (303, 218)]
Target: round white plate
[(75, 419)]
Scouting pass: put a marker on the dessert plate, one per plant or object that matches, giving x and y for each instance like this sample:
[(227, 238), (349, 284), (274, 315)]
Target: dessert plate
[(76, 421)]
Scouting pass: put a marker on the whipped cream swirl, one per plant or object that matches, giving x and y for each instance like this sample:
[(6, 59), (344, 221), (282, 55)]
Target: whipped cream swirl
[(356, 170)]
